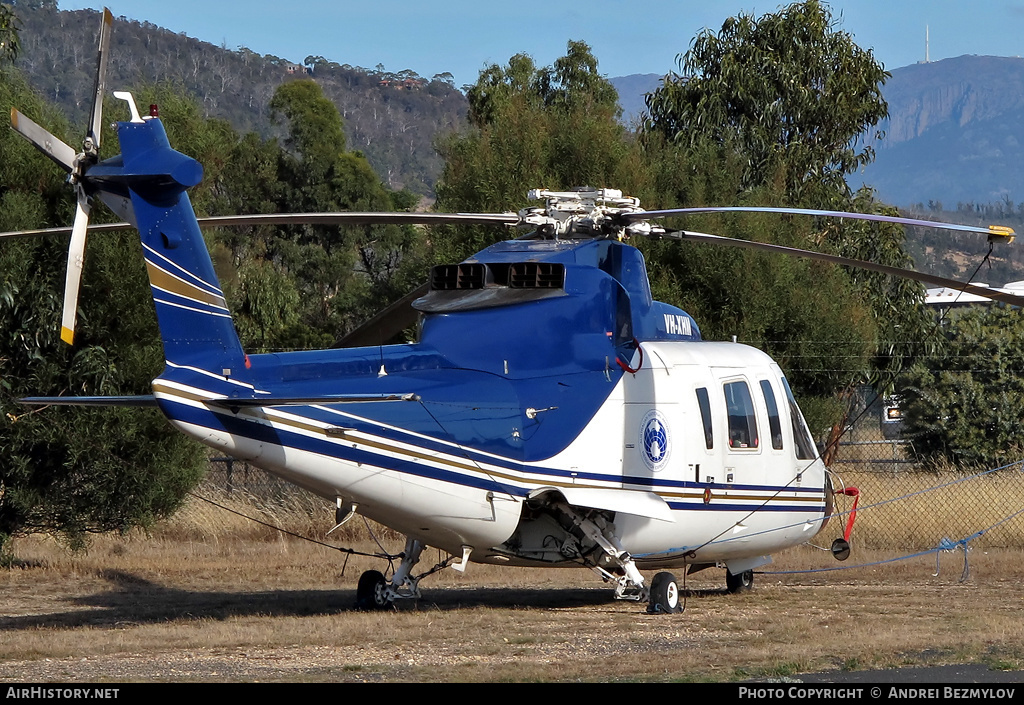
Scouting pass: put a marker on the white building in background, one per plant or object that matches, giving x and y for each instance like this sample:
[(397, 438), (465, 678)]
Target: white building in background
[(946, 298)]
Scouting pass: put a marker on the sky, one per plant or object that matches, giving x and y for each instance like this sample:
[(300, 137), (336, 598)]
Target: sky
[(643, 36)]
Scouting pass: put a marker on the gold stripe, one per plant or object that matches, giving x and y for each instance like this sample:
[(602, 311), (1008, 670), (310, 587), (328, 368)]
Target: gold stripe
[(473, 468), (162, 280), (744, 497)]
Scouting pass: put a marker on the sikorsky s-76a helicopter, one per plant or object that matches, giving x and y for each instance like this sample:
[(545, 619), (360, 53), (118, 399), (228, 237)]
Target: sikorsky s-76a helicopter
[(551, 414)]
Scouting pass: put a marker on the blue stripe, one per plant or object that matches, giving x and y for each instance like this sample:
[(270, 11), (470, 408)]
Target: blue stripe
[(763, 507), (290, 439), (293, 440)]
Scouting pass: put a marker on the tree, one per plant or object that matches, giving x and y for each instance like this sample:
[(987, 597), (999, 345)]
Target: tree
[(965, 404), (67, 471), (554, 127), (778, 104), (789, 91)]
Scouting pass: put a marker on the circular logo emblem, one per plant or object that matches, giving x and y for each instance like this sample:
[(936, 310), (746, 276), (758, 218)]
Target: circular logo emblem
[(655, 441)]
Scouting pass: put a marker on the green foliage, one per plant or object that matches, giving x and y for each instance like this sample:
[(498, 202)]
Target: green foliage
[(9, 44), (777, 104), (72, 471), (788, 90), (807, 315), (552, 127), (965, 404)]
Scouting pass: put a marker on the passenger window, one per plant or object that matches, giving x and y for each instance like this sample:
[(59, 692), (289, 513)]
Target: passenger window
[(774, 423), (704, 401), (742, 421), (805, 449)]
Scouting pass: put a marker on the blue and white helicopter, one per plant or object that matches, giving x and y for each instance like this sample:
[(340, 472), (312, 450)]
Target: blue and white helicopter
[(552, 413)]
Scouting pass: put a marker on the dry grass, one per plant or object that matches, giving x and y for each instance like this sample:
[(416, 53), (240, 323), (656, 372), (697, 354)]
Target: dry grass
[(909, 511), (208, 597)]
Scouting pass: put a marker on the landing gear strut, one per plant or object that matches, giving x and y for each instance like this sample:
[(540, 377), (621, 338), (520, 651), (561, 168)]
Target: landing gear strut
[(629, 584), (374, 592)]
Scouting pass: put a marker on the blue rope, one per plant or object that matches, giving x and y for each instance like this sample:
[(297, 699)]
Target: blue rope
[(944, 545)]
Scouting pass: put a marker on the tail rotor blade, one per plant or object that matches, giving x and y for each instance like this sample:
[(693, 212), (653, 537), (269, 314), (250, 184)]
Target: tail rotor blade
[(96, 120), (62, 154), (73, 278)]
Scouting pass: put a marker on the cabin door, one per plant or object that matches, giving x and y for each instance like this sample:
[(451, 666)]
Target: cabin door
[(653, 435)]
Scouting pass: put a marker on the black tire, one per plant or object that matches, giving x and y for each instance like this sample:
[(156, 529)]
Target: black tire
[(664, 595), (371, 592), (741, 582)]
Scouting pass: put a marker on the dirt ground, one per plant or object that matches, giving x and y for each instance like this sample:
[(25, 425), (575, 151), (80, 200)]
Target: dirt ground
[(166, 609)]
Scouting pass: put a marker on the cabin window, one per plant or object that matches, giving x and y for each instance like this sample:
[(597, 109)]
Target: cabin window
[(742, 420), (805, 449), (774, 422), (704, 402)]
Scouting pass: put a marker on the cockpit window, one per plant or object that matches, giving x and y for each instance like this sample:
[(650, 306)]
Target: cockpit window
[(774, 423), (805, 449), (742, 420)]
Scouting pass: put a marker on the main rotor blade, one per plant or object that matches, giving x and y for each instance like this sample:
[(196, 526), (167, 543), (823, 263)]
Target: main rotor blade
[(73, 277), (991, 231), (993, 294), (303, 219), (96, 121), (62, 154), (351, 218)]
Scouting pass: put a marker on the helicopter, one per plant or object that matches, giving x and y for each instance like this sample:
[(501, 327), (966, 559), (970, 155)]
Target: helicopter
[(551, 414)]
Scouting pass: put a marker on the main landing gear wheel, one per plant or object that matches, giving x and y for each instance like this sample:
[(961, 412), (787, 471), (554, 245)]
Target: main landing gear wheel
[(372, 591), (664, 595), (741, 582)]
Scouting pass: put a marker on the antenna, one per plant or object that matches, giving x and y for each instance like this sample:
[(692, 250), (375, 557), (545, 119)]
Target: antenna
[(926, 42)]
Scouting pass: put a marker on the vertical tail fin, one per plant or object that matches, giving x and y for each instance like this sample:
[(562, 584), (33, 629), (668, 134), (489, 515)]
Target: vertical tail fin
[(194, 321)]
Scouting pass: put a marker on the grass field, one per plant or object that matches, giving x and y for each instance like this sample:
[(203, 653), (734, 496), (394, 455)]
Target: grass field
[(209, 596)]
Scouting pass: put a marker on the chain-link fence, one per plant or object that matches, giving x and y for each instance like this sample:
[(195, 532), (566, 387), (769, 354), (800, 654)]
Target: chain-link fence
[(232, 475), (906, 507)]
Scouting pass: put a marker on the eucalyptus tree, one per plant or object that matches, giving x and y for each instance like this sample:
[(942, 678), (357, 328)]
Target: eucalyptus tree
[(790, 91), (782, 105)]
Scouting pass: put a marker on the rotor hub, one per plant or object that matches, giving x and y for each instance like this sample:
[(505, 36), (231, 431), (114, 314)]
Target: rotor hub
[(585, 212)]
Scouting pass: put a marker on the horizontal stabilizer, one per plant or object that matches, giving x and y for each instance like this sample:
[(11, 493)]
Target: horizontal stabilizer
[(306, 401), (138, 400)]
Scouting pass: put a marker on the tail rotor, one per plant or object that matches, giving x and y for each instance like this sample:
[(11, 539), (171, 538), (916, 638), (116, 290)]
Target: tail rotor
[(77, 166)]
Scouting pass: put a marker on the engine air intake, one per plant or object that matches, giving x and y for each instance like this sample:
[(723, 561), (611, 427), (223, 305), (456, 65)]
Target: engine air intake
[(537, 275), (449, 277)]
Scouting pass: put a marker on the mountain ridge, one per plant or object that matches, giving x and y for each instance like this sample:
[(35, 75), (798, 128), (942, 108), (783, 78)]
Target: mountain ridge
[(952, 137)]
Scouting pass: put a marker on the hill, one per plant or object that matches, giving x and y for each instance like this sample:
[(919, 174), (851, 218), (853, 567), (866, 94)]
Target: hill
[(392, 118), (632, 90), (953, 138), (954, 134)]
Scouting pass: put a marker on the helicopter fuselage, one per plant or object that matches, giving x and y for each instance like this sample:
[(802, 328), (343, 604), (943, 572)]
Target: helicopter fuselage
[(545, 377)]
